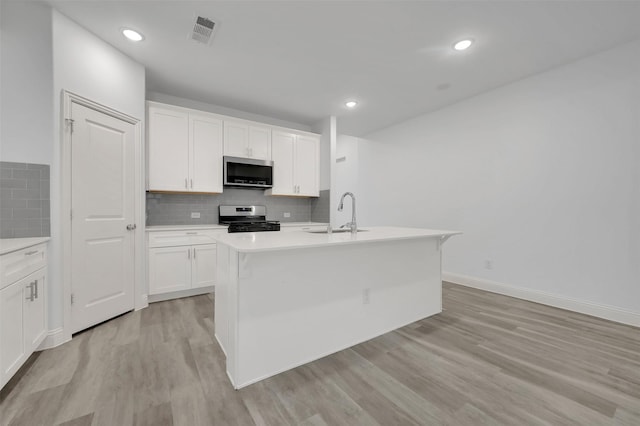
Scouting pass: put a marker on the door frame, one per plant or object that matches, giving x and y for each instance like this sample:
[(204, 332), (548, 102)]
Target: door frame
[(139, 291)]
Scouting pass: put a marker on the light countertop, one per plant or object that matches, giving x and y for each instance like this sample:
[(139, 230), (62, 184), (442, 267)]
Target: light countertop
[(8, 245), (267, 241), (302, 224), (216, 226)]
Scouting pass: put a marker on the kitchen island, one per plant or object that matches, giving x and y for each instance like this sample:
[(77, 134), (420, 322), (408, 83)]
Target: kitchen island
[(283, 299)]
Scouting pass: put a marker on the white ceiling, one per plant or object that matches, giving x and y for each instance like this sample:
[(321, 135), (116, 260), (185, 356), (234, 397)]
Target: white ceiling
[(300, 60)]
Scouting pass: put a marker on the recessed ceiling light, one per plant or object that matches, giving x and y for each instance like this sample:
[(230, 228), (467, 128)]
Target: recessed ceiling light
[(351, 104), (463, 44), (132, 35)]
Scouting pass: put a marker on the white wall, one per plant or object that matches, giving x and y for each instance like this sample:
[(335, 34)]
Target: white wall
[(89, 67), (346, 176), (324, 128), (26, 83), (542, 176)]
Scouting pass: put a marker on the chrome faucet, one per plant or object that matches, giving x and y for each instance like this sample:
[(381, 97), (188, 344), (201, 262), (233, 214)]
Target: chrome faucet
[(352, 225)]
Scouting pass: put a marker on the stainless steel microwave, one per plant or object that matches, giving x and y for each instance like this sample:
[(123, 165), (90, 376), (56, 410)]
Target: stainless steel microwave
[(247, 172)]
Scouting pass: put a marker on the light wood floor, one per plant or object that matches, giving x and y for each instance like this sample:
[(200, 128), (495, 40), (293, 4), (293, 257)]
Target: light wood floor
[(487, 359)]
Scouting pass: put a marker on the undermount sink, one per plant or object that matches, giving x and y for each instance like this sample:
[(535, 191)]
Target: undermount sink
[(335, 231)]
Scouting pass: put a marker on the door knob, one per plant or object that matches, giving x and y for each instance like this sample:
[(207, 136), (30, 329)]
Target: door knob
[(131, 227)]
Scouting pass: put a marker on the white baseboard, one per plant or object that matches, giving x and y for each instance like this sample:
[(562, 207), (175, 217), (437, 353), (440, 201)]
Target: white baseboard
[(152, 298), (611, 313), (54, 338)]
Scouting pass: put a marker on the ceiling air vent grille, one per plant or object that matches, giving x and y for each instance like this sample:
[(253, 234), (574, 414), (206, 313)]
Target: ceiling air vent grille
[(203, 30)]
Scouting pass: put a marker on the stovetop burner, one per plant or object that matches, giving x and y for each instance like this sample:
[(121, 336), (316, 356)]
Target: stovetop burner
[(247, 219), (254, 226)]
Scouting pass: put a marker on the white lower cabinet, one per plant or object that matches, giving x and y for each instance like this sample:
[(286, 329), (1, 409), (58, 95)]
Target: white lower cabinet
[(181, 260), (35, 321), (12, 349), (204, 266), (23, 311), (169, 269)]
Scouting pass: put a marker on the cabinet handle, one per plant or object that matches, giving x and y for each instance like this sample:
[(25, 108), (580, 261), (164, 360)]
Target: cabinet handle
[(35, 284), (189, 254), (30, 253), (30, 298), (192, 233), (194, 253), (186, 184), (191, 183)]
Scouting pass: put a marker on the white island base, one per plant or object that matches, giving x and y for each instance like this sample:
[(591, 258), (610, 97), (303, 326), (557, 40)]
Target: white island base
[(285, 299)]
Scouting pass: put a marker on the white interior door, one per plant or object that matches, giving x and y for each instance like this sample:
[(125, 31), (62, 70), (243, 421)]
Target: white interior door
[(102, 203)]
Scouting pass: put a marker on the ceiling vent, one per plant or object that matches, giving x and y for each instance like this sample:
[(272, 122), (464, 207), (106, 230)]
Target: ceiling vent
[(203, 30)]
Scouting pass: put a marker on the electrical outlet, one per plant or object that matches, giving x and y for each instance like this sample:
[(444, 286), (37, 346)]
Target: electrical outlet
[(366, 296), (195, 215), (287, 214), (488, 264)]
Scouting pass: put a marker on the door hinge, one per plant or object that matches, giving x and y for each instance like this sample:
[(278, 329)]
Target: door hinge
[(72, 299), (69, 122)]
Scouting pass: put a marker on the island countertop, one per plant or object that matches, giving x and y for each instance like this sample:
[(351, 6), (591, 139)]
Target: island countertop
[(267, 241)]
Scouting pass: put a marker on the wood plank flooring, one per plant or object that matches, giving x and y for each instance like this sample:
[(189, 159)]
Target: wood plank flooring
[(487, 359)]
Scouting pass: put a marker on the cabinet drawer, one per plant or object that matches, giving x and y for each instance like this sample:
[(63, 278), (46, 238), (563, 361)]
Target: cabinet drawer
[(19, 264), (183, 238)]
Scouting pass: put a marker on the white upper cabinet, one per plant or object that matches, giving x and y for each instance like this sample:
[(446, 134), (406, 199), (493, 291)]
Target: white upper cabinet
[(205, 142), (306, 166), (184, 150), (168, 147), (282, 154), (295, 164), (247, 140)]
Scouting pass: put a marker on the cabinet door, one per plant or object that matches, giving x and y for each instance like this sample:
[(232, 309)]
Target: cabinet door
[(168, 149), (205, 137), (169, 269), (260, 142), (35, 326), (204, 265), (306, 166), (12, 345), (236, 139), (282, 145)]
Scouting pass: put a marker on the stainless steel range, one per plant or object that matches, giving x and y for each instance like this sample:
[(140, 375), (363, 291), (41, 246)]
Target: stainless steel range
[(247, 219)]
